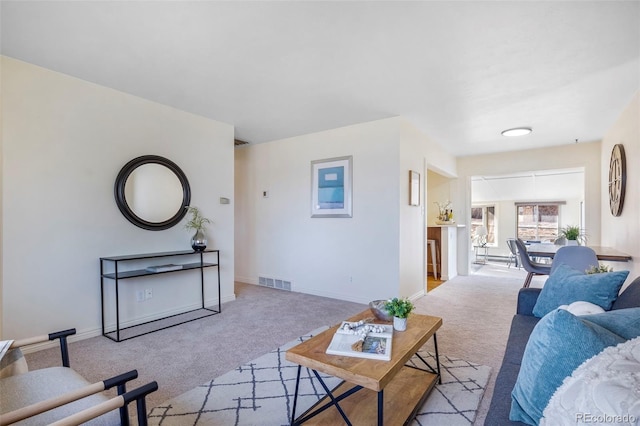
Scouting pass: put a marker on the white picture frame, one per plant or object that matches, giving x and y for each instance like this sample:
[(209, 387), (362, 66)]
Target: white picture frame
[(331, 187)]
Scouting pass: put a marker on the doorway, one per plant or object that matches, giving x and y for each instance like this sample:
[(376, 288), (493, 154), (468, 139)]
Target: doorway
[(522, 204), (439, 189)]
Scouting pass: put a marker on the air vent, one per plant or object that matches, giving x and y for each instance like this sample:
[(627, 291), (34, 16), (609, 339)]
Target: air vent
[(238, 142), (274, 283)]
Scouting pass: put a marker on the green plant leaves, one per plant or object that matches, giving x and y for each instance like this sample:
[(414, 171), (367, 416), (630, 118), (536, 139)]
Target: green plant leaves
[(400, 308)]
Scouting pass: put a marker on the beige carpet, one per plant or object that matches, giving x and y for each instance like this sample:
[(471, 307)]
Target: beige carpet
[(183, 357), (476, 312), (262, 391)]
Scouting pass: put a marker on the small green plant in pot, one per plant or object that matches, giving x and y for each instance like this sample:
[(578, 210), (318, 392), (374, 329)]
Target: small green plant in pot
[(199, 224), (600, 269), (400, 309), (572, 233)]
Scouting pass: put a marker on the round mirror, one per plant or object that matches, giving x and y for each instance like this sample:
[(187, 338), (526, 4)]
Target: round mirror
[(152, 192)]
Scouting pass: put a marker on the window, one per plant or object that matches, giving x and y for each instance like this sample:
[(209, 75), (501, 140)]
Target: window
[(484, 216), (537, 221)]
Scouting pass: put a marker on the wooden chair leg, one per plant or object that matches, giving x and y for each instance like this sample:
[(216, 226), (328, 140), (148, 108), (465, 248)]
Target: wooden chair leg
[(527, 281)]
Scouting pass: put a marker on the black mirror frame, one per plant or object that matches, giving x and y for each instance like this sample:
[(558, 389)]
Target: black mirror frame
[(121, 200)]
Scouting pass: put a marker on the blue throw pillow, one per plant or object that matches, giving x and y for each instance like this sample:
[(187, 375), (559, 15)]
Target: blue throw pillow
[(558, 344), (568, 285), (623, 322)]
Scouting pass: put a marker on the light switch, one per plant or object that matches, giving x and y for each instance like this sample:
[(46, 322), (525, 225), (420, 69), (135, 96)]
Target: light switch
[(224, 200)]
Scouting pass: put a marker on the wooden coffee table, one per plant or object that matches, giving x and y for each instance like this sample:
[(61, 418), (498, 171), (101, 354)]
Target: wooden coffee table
[(388, 391)]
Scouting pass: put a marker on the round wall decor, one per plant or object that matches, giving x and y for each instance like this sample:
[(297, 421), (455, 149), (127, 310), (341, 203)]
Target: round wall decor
[(152, 192), (617, 179)]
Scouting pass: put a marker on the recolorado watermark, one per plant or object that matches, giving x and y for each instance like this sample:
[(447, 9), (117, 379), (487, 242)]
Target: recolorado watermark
[(605, 418)]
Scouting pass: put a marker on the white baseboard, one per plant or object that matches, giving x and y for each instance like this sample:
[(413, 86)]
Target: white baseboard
[(95, 332), (417, 295), (86, 334), (311, 291), (246, 280), (331, 295)]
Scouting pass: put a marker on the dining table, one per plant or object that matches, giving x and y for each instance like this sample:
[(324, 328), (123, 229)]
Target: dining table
[(603, 253)]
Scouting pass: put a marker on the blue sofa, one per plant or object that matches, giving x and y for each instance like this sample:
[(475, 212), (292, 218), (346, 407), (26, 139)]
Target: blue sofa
[(521, 327)]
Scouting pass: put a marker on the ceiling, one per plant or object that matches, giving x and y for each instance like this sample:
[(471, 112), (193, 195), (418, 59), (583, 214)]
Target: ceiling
[(461, 72)]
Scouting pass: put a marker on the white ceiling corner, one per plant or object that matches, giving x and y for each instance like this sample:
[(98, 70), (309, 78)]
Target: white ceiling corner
[(460, 71)]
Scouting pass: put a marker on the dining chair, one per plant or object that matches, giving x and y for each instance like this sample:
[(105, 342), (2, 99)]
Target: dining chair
[(533, 268), (513, 256), (580, 258)]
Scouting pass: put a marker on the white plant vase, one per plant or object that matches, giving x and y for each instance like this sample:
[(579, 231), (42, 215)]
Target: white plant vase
[(572, 242), (399, 324)]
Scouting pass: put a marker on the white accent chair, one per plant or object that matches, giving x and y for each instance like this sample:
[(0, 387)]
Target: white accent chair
[(61, 396)]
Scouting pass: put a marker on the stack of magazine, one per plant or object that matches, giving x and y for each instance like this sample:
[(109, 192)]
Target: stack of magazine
[(375, 344), (164, 268)]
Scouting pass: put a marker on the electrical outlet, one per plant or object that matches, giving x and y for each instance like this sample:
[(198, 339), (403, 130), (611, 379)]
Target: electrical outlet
[(148, 293), (140, 296)]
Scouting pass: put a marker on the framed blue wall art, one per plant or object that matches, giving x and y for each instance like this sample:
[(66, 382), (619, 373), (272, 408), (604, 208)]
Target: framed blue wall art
[(331, 187)]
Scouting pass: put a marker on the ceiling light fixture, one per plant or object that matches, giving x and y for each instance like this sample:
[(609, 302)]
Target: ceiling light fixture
[(518, 131)]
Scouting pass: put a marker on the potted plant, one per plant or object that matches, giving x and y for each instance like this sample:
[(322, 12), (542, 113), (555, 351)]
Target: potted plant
[(400, 309), (572, 234), (199, 224), (600, 269)]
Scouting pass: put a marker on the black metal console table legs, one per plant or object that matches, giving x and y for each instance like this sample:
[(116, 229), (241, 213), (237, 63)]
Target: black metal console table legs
[(117, 275)]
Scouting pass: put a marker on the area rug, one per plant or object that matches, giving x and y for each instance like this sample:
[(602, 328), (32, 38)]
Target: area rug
[(260, 392)]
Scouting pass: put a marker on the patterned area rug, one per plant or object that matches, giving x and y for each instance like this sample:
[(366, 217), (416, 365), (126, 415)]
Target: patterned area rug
[(260, 392)]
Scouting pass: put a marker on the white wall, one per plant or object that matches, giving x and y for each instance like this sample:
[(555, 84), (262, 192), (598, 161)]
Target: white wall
[(64, 142), (375, 254), (345, 258), (1, 197), (416, 151), (623, 232), (530, 185)]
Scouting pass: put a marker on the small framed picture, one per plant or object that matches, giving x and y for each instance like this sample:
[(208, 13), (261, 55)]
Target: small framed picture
[(414, 188), (331, 187)]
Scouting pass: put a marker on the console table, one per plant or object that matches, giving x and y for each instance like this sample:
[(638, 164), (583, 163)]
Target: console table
[(118, 272)]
